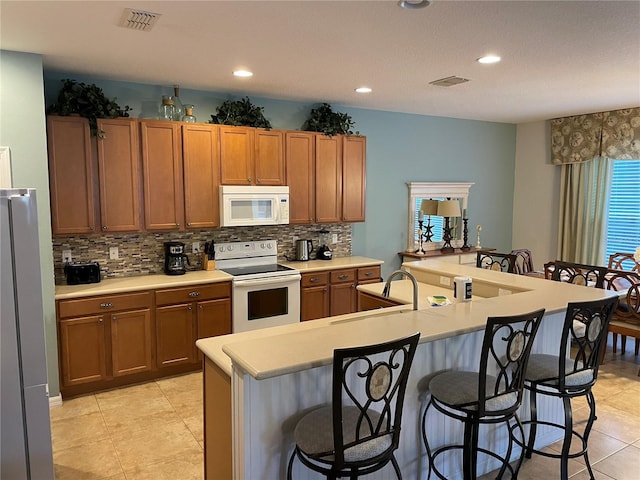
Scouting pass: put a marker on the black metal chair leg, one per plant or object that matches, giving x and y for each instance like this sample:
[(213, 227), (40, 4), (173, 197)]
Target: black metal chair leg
[(521, 429), (566, 443), (424, 438), (470, 450), (533, 426), (396, 467), (591, 401)]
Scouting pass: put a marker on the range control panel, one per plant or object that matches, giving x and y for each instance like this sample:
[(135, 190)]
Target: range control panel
[(232, 250)]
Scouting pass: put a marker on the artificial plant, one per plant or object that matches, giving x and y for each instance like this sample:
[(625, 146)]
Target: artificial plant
[(323, 119), (240, 113)]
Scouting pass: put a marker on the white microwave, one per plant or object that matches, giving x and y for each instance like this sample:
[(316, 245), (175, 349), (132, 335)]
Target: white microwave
[(253, 205)]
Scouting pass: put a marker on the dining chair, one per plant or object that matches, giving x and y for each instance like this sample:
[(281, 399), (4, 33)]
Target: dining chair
[(567, 378), (578, 274), (359, 432), (624, 261), (626, 317), (524, 261), (492, 395), (502, 262)]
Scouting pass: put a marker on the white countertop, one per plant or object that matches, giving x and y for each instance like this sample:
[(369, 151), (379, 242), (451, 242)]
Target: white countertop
[(290, 348), (340, 262), (143, 282), (150, 282)]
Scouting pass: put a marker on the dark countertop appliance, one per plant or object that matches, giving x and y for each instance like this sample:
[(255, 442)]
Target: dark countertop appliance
[(303, 250), (175, 258), (80, 273)]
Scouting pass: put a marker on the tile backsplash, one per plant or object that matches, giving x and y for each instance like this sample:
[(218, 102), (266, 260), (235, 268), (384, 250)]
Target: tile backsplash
[(143, 253)]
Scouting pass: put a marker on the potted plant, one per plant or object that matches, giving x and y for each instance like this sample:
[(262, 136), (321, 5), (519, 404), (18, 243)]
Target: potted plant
[(323, 119), (88, 101), (240, 113)]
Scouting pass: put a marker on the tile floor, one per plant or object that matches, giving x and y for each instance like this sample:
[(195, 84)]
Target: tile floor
[(154, 431)]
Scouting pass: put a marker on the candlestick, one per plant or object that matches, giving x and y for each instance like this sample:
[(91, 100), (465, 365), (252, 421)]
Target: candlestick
[(465, 235), (479, 229)]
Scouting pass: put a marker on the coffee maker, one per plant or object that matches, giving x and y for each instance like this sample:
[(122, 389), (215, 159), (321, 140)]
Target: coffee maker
[(174, 258), (324, 252)]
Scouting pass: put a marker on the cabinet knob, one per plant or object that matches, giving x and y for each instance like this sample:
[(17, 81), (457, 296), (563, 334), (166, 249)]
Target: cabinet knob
[(314, 280), (324, 289), (249, 179), (194, 294), (189, 224), (189, 308), (106, 305), (200, 307), (100, 320), (258, 180), (104, 227), (92, 228), (368, 274), (114, 317), (177, 224)]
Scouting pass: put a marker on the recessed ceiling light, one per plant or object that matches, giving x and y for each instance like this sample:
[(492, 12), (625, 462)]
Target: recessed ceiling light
[(363, 90), (489, 59), (413, 4), (243, 73)]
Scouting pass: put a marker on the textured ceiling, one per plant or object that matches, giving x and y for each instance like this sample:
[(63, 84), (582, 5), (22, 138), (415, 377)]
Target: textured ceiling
[(559, 57)]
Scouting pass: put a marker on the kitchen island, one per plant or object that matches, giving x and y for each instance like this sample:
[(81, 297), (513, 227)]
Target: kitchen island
[(257, 384)]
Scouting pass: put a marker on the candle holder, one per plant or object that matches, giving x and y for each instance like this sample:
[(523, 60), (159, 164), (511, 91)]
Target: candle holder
[(465, 235), (479, 229), (420, 236), (447, 209)]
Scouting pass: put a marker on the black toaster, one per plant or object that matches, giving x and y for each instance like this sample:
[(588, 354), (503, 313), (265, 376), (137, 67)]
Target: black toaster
[(77, 273)]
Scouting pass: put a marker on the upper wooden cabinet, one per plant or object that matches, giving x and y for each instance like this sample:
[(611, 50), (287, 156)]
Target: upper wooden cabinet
[(328, 179), (353, 178), (119, 175), (250, 156), (201, 158), (269, 157), (300, 160), (71, 176), (162, 175)]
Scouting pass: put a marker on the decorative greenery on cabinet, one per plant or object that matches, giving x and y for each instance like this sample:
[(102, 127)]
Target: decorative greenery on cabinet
[(323, 119), (88, 101), (240, 113)]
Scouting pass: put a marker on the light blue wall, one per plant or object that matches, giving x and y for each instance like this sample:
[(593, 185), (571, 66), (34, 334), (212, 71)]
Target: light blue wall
[(400, 148), (23, 129)]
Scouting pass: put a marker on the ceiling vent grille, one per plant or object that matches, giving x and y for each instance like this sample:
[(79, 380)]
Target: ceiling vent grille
[(138, 19), (449, 81)]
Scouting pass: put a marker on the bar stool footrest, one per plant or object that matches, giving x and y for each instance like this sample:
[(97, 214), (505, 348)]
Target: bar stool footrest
[(547, 454), (439, 450)]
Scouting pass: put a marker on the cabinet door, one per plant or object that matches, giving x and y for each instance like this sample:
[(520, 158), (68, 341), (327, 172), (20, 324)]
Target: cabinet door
[(353, 178), (201, 156), (71, 176), (174, 335), (328, 173), (373, 302), (314, 303), (299, 149), (236, 156), (213, 318), (269, 157), (343, 298), (162, 173), (131, 342), (82, 350), (119, 173)]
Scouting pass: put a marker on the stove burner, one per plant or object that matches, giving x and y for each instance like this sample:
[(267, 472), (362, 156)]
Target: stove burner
[(256, 269)]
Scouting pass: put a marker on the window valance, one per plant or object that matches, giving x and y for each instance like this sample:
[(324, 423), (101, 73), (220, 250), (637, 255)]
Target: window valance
[(580, 138)]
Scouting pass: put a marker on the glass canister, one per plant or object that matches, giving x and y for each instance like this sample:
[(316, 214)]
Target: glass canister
[(167, 108), (188, 114), (179, 108)]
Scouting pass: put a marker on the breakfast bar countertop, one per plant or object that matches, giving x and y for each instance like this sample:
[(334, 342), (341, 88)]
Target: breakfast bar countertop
[(298, 347), (143, 282), (339, 262)]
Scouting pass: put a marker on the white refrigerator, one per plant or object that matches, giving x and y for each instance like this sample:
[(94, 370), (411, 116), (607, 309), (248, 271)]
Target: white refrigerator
[(25, 431)]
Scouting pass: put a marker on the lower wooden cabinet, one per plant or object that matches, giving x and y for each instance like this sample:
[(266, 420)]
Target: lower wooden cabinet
[(102, 338), (367, 301), (113, 340), (202, 311), (333, 292)]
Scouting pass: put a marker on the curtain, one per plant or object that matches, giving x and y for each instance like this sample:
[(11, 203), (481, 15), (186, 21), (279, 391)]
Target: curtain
[(583, 146), (584, 190)]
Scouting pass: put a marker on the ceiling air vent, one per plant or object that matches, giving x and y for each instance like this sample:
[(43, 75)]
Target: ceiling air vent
[(138, 19), (449, 81)]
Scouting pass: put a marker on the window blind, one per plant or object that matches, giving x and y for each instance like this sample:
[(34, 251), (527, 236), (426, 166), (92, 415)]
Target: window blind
[(436, 222), (623, 214)]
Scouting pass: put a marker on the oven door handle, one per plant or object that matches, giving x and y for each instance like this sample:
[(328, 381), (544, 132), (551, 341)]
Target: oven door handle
[(268, 281)]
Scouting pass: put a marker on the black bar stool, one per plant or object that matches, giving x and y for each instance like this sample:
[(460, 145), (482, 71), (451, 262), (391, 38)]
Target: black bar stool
[(491, 395), (359, 432), (585, 324)]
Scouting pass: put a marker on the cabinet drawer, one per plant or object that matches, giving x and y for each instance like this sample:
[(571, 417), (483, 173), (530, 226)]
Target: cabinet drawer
[(193, 293), (314, 279), (339, 276), (102, 304), (369, 273)]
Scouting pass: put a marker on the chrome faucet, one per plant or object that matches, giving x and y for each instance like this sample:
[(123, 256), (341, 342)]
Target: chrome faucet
[(387, 286)]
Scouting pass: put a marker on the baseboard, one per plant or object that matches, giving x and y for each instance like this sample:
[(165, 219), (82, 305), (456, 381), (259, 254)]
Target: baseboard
[(55, 401)]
